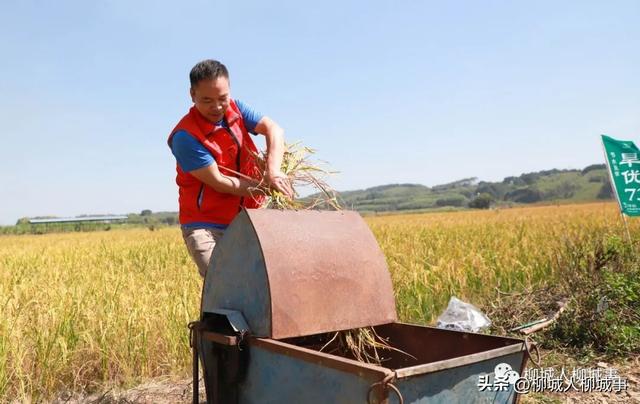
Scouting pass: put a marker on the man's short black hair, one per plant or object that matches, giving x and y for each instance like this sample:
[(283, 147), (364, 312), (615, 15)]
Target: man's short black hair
[(207, 70)]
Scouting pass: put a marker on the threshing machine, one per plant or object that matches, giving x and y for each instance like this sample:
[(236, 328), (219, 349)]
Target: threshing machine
[(282, 283)]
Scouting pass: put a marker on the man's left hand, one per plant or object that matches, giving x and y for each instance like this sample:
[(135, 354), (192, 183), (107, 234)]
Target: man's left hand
[(280, 182)]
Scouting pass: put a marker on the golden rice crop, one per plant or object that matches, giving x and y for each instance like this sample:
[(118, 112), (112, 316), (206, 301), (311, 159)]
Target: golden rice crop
[(85, 310), (471, 254)]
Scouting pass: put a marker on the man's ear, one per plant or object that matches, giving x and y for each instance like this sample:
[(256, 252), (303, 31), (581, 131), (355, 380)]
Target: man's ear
[(192, 92)]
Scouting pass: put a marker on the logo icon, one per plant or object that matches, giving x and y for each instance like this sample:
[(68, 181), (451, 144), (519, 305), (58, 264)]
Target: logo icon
[(505, 378), (505, 374)]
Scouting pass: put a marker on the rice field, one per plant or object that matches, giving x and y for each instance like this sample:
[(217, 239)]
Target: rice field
[(88, 310)]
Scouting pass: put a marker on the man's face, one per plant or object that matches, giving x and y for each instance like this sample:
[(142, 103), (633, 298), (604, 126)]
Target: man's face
[(211, 98)]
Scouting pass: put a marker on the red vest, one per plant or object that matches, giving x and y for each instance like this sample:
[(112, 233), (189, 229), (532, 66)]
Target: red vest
[(232, 148)]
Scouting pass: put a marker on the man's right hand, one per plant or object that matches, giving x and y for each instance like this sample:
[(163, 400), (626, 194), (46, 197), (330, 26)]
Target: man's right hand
[(227, 184)]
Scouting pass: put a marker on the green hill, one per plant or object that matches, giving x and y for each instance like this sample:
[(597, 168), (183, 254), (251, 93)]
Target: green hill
[(591, 183)]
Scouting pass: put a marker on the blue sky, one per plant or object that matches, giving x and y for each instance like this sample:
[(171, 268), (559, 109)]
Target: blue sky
[(387, 92)]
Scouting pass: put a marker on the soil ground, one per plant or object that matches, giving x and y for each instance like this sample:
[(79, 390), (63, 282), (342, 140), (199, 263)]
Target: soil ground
[(169, 391)]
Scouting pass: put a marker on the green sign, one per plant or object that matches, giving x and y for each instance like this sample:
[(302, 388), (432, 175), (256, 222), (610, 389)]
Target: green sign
[(623, 160)]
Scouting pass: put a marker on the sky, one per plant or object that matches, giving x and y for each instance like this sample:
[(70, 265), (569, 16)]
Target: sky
[(387, 92)]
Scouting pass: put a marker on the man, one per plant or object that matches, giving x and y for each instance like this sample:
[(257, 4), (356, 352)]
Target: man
[(217, 172)]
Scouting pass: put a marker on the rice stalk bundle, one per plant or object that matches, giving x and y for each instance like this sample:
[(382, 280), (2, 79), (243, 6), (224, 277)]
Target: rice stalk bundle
[(302, 172)]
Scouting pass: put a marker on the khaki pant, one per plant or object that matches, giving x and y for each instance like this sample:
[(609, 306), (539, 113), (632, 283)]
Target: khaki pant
[(200, 243)]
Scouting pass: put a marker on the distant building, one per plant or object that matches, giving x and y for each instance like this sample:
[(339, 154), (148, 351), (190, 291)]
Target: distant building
[(103, 219), (79, 223)]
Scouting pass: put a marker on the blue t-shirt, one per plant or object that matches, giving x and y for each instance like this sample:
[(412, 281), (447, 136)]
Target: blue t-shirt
[(190, 154)]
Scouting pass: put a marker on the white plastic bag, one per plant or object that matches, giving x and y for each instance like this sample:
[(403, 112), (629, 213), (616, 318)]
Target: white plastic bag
[(462, 316)]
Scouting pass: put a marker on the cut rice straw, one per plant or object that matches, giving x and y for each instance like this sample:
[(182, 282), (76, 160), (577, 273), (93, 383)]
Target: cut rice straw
[(363, 343), (301, 172)]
